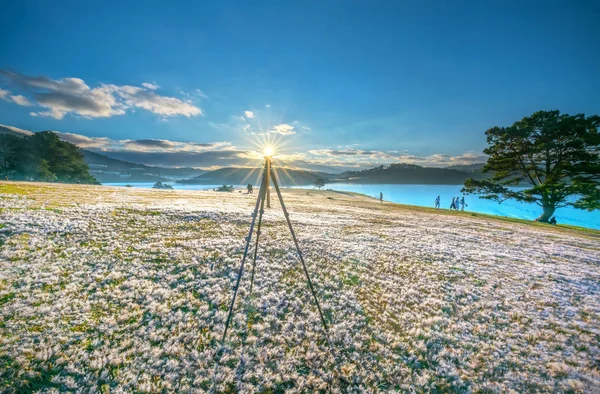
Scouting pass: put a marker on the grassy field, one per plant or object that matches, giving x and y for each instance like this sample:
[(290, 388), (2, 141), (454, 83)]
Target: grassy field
[(120, 289)]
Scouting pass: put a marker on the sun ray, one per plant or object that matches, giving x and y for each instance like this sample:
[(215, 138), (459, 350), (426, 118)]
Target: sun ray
[(277, 177), (243, 166), (258, 175), (266, 142), (288, 175), (249, 175)]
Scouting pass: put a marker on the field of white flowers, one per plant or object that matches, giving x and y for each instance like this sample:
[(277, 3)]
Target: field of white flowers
[(120, 290)]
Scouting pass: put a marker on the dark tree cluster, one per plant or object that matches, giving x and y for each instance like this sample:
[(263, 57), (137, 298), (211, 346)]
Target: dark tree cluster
[(548, 158), (42, 157)]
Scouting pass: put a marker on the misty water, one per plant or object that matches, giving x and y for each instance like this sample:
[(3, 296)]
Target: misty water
[(424, 195)]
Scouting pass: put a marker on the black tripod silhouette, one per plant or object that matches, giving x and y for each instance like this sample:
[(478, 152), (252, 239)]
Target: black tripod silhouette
[(260, 202)]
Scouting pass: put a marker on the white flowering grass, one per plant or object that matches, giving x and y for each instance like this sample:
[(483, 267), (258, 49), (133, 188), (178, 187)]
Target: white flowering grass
[(120, 290)]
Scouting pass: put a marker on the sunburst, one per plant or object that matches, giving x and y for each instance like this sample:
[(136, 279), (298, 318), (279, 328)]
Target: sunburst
[(266, 143)]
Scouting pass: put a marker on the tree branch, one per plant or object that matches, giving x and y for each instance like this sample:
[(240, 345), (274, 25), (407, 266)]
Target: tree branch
[(523, 165)]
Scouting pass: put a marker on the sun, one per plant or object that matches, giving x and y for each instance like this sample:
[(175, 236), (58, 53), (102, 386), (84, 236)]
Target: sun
[(269, 151)]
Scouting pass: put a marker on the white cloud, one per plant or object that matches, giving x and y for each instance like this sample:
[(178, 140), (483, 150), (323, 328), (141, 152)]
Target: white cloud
[(249, 114), (73, 95), (151, 86), (143, 145), (4, 94), (21, 100), (283, 129), (267, 105), (150, 101), (83, 141), (16, 129)]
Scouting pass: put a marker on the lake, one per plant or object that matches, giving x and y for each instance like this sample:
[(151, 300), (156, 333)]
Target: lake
[(424, 195)]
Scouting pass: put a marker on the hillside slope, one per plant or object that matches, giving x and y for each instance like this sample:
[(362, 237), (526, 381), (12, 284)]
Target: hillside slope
[(240, 176), (108, 170)]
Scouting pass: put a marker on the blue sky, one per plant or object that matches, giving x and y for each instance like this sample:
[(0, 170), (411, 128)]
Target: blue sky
[(337, 83)]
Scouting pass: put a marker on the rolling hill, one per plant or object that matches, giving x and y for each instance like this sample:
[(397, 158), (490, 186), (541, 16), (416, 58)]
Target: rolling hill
[(242, 176), (108, 170), (402, 173)]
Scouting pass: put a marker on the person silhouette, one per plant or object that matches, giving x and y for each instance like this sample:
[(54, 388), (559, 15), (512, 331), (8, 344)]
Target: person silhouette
[(380, 197), (437, 203)]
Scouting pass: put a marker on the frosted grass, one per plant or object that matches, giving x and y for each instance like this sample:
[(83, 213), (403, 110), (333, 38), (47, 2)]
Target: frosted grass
[(114, 290)]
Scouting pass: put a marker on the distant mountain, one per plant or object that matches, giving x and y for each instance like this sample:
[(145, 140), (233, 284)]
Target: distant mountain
[(108, 170), (242, 176), (475, 167), (402, 173), (394, 174)]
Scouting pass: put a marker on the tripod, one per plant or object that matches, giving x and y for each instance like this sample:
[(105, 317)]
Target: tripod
[(263, 195)]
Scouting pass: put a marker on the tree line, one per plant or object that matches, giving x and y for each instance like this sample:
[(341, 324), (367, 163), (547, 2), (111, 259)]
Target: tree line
[(42, 157)]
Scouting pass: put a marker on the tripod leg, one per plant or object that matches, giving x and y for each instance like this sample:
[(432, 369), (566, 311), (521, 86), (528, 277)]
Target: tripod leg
[(287, 217), (261, 196), (260, 215)]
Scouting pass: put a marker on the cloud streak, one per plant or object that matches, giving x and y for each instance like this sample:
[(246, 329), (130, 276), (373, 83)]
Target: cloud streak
[(16, 129), (73, 96), (364, 158), (4, 94), (104, 144), (21, 100), (151, 86)]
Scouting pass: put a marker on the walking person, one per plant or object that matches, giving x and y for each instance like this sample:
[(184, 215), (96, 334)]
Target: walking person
[(462, 203), (452, 206), (457, 203), (250, 189), (380, 196), (437, 203)]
